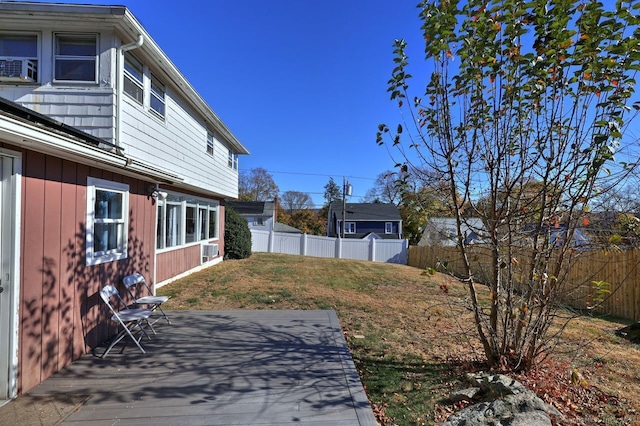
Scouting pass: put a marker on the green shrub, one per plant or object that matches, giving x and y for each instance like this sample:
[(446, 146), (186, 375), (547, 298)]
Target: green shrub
[(237, 237)]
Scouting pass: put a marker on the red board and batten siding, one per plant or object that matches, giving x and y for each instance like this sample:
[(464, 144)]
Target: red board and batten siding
[(61, 314)]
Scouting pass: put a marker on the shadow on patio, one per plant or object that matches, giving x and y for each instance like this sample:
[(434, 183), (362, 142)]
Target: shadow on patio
[(216, 368)]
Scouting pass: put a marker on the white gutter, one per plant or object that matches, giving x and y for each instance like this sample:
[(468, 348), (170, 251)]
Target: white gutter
[(120, 82)]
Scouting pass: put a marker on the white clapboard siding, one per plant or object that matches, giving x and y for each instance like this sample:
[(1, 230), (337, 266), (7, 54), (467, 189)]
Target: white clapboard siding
[(177, 144), (390, 251)]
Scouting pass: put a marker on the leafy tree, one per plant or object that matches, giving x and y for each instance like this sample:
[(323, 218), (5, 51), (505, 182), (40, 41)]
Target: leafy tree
[(257, 185), (237, 236), (519, 92), (308, 222), (296, 200)]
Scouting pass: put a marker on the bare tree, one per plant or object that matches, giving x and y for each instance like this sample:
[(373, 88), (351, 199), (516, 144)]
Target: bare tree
[(257, 185), (521, 116), (295, 200), (385, 189)]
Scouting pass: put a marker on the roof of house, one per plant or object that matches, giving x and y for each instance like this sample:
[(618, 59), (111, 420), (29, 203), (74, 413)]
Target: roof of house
[(28, 115), (130, 29), (366, 211), (281, 227), (444, 230), (253, 208)]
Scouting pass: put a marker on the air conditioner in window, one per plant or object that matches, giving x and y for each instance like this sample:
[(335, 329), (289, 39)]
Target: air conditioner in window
[(209, 250), (18, 70)]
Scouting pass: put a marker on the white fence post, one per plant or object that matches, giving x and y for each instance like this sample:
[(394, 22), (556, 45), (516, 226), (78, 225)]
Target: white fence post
[(303, 245), (272, 237), (338, 248), (372, 250)]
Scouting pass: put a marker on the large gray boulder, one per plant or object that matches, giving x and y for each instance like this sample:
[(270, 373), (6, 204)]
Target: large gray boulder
[(505, 402)]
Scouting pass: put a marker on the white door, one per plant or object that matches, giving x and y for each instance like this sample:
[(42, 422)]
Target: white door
[(8, 291)]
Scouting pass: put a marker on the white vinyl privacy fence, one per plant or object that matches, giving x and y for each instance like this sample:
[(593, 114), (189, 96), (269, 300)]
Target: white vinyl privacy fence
[(391, 251)]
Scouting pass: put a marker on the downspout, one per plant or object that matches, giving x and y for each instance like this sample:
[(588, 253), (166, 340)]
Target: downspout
[(120, 83)]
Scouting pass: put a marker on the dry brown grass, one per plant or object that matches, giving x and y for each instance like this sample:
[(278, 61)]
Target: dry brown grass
[(412, 339)]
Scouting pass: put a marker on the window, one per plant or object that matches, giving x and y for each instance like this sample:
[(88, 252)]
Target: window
[(210, 143), (173, 224), (202, 223), (258, 221), (185, 221), (191, 228), (233, 160), (213, 223), (19, 57), (133, 78), (388, 228), (157, 96), (76, 58), (107, 232), (349, 227)]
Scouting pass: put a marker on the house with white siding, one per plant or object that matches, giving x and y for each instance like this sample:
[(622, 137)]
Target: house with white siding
[(111, 163)]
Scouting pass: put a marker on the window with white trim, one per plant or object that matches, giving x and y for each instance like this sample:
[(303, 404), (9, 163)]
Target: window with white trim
[(349, 227), (210, 143), (191, 228), (184, 221), (133, 78), (19, 58), (258, 221), (388, 227), (107, 221), (76, 58), (157, 102), (233, 160)]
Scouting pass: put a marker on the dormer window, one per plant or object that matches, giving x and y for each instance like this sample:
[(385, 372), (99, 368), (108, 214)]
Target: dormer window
[(76, 58)]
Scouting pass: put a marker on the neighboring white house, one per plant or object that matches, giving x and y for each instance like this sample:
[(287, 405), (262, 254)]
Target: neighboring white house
[(260, 215), (443, 231)]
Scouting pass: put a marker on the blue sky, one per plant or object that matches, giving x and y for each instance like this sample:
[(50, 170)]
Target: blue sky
[(301, 83)]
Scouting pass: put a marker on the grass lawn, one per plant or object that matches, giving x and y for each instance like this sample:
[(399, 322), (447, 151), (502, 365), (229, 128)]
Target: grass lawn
[(412, 341)]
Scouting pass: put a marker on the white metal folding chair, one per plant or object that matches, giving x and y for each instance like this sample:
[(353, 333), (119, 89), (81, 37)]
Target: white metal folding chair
[(129, 319), (151, 300)]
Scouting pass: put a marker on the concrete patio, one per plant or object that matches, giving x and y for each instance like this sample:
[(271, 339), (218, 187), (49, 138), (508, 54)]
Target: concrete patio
[(212, 368)]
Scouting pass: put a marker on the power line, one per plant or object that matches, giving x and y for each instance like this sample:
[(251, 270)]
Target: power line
[(312, 174)]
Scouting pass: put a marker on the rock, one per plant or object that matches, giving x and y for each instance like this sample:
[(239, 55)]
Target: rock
[(509, 403), (630, 332), (464, 395)]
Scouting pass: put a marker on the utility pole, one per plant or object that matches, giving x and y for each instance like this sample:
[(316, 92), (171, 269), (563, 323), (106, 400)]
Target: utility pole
[(346, 190)]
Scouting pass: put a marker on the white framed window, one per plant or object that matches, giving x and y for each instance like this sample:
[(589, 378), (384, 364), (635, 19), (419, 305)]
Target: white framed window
[(173, 224), (349, 227), (233, 160), (76, 58), (107, 221), (133, 78), (18, 58), (191, 228), (157, 100), (184, 221), (212, 224), (210, 143), (258, 221), (388, 227)]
